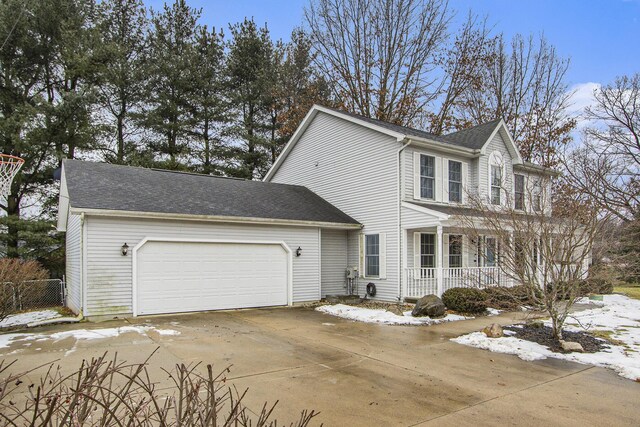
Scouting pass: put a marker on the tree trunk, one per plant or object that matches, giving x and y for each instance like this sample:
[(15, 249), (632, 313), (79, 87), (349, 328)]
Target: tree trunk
[(13, 214)]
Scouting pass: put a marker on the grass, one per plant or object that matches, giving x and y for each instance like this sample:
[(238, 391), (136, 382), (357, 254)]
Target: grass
[(630, 291)]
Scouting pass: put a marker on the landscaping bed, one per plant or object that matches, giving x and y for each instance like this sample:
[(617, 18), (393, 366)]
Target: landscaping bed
[(543, 335)]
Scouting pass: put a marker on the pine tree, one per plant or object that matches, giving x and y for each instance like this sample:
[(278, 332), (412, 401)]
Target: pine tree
[(123, 27)]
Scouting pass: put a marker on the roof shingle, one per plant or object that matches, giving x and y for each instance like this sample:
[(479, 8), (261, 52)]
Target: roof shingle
[(124, 188)]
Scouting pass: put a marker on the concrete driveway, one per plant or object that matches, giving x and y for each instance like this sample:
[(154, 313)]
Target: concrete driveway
[(361, 374)]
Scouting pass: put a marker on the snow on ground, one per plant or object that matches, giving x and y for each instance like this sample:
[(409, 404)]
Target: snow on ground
[(29, 317), (618, 314), (493, 311), (81, 334), (369, 315)]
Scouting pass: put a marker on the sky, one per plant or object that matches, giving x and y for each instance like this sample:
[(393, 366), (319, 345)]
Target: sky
[(601, 37)]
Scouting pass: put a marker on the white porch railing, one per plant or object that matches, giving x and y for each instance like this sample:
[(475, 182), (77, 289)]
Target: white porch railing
[(424, 281), (421, 282)]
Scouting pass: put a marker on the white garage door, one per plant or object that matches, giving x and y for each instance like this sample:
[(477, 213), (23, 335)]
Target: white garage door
[(176, 277)]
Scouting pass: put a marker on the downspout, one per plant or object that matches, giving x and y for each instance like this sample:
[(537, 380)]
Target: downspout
[(82, 264), (400, 195)]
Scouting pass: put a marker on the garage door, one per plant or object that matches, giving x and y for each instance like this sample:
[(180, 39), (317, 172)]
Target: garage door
[(177, 277)]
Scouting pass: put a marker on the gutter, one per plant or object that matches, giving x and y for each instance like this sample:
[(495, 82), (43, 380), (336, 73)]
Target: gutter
[(213, 218), (400, 197)]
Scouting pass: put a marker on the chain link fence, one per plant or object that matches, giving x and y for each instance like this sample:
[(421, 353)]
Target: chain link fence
[(32, 294)]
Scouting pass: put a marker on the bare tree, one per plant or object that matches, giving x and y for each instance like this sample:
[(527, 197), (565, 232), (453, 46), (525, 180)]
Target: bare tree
[(524, 83), (545, 246), (607, 165), (380, 54)]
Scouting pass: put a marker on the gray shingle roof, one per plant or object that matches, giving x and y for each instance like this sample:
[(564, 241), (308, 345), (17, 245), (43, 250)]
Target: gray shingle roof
[(113, 187), (473, 138)]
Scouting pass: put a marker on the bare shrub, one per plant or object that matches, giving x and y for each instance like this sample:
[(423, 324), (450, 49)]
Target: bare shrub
[(110, 392), (15, 275)]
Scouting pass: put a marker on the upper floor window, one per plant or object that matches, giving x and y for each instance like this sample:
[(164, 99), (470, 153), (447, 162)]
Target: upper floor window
[(455, 181), (496, 184), (519, 192), (537, 196), (372, 255), (427, 177), (455, 251)]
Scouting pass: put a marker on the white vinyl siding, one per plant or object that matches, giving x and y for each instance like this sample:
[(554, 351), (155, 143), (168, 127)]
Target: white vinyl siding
[(355, 169), (496, 144), (109, 274), (73, 269), (333, 262)]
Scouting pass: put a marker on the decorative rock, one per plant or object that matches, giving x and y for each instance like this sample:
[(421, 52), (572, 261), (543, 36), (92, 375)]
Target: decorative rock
[(395, 309), (493, 331), (571, 346), (429, 305)]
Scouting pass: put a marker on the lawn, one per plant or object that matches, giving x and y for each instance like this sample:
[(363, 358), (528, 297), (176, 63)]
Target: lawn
[(630, 291)]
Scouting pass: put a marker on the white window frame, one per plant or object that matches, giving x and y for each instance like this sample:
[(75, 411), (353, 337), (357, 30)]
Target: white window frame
[(382, 256), (515, 191), (432, 178), (368, 256), (495, 161), (449, 181), (452, 239)]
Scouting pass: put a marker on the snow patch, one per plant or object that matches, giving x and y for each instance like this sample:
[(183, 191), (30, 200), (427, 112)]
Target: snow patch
[(493, 311), (29, 317), (369, 315), (620, 315), (82, 334)]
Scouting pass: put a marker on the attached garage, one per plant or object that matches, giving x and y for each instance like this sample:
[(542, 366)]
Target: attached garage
[(144, 241), (181, 276)]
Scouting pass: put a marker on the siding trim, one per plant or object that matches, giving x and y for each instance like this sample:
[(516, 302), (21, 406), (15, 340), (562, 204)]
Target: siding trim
[(209, 218), (134, 254)]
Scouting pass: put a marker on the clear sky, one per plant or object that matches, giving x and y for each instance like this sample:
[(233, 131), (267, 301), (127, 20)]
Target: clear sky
[(602, 37)]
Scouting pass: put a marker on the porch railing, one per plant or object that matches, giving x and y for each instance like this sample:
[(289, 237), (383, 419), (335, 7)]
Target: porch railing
[(421, 282), (424, 281)]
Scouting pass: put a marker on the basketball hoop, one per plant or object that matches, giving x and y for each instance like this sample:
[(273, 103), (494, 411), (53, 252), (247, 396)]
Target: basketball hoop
[(9, 167)]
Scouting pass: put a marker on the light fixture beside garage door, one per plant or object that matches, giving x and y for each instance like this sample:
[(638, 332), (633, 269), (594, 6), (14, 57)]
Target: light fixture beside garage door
[(124, 250), (298, 251)]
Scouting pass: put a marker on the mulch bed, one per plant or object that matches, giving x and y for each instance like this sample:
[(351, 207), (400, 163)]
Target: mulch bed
[(544, 336)]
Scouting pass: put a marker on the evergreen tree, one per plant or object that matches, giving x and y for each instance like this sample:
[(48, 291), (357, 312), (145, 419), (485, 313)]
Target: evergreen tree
[(172, 82), (250, 83), (123, 26)]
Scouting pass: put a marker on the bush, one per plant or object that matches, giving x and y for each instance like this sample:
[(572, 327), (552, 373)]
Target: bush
[(109, 392), (465, 300), (511, 298), (13, 273), (598, 285)]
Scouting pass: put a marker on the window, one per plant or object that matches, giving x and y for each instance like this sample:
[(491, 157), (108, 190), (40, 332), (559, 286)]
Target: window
[(455, 251), (537, 196), (372, 255), (427, 251), (519, 192), (496, 184), (427, 177), (455, 181), (491, 252)]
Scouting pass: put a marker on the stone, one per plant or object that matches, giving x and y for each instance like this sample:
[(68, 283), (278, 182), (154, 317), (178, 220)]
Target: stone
[(429, 305), (493, 331), (571, 346), (395, 309)]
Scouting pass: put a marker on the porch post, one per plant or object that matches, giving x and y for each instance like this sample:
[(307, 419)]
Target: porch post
[(439, 260)]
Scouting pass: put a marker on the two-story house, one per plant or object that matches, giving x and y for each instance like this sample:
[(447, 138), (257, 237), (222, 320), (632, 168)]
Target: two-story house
[(408, 188)]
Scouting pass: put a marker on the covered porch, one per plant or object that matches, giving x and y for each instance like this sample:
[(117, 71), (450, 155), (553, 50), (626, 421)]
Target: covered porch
[(439, 255), (439, 258)]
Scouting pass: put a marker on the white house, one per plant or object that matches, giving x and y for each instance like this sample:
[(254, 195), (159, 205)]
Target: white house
[(347, 192), (408, 187)]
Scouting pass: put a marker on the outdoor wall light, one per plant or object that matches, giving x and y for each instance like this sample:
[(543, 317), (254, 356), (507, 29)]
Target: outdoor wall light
[(124, 249), (298, 251)]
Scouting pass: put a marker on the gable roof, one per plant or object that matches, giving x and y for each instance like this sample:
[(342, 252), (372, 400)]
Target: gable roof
[(475, 137), (471, 141), (107, 187)]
